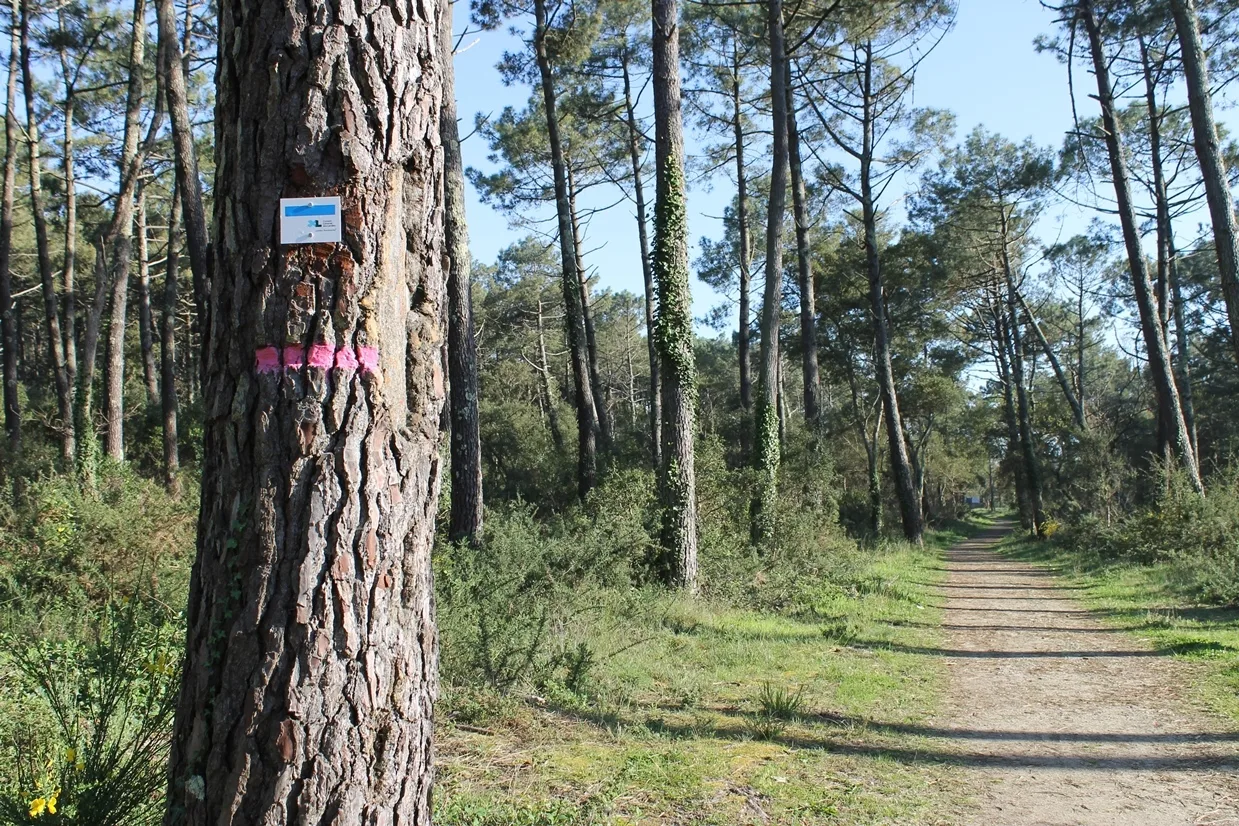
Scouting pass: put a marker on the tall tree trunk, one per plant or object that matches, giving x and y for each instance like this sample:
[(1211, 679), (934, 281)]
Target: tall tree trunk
[(1064, 383), (587, 314), (1183, 341), (677, 479), (1209, 155), (51, 308), (1159, 357), (1023, 406), (465, 523), (804, 268), (121, 240), (308, 689), (647, 271), (184, 155), (552, 397), (68, 272), (766, 455), (167, 348), (90, 352), (901, 467), (9, 315), (1002, 350), (742, 228), (146, 332), (587, 419)]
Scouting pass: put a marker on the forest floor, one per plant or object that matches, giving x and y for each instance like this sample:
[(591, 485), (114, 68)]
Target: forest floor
[(1060, 717), (951, 686)]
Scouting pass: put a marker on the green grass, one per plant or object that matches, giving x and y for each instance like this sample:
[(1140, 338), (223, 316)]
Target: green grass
[(1149, 603), (707, 714)]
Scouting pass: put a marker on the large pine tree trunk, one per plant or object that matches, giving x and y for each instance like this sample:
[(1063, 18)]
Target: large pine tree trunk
[(465, 523), (1209, 155), (677, 480), (1155, 344), (311, 669), (167, 347), (121, 240), (901, 466), (766, 453), (51, 307), (587, 316), (574, 318), (1002, 358), (647, 271), (8, 310), (804, 269)]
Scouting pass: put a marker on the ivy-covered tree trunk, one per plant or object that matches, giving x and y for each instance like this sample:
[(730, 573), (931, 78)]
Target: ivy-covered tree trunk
[(311, 649), (674, 327), (1209, 155), (901, 466), (804, 269), (766, 452), (574, 319), (51, 311), (8, 310), (647, 270), (1160, 369), (465, 524)]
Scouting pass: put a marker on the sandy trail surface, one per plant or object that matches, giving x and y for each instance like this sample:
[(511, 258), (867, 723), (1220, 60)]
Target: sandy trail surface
[(1064, 720)]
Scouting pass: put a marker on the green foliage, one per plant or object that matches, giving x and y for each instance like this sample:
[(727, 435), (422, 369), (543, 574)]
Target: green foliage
[(87, 719), (1195, 535), (62, 547), (780, 702)]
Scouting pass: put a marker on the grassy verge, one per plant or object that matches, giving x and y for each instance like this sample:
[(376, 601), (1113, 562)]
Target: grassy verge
[(1148, 602), (701, 713)]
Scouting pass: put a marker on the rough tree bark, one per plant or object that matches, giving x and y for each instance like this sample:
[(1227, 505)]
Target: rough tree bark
[(647, 271), (8, 310), (69, 265), (766, 452), (310, 676), (1158, 354), (586, 414), (674, 327), (804, 268), (167, 347), (51, 309), (465, 522), (1209, 154)]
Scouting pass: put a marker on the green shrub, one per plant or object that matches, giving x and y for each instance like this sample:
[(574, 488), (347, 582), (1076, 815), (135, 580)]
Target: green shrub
[(87, 721)]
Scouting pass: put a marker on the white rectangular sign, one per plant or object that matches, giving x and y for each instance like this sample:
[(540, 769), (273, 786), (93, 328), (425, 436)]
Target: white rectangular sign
[(310, 221)]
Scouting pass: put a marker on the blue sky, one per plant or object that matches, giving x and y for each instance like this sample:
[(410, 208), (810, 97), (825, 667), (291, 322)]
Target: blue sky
[(986, 70)]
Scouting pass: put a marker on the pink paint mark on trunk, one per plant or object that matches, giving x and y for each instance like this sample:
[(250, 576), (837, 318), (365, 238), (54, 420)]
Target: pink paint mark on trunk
[(267, 359), (368, 358), (321, 356), (294, 357), (346, 359)]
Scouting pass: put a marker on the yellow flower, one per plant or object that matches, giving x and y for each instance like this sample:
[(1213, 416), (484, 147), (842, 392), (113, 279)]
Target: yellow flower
[(51, 802), (37, 806)]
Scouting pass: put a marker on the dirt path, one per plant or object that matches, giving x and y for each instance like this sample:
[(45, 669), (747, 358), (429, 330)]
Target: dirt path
[(1064, 721)]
